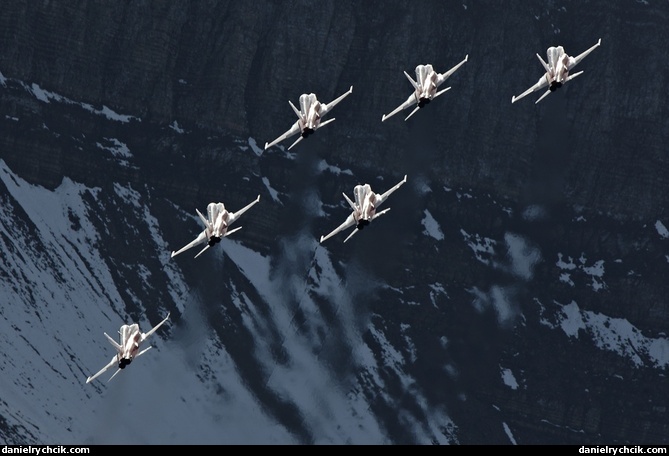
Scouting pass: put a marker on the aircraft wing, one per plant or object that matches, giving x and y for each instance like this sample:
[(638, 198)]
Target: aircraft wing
[(410, 102), (350, 221), (202, 238), (543, 82), (236, 215), (385, 195), (295, 129), (580, 57), (443, 76), (146, 335), (112, 363), (326, 107)]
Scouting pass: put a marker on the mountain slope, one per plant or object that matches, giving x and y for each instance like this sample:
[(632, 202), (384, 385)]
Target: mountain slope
[(515, 293)]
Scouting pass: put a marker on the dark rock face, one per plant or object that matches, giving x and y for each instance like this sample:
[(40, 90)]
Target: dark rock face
[(232, 66), (581, 175)]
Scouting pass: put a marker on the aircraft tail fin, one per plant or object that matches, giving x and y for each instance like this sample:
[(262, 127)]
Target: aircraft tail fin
[(114, 343), (544, 64), (348, 200), (413, 83), (297, 111), (203, 218)]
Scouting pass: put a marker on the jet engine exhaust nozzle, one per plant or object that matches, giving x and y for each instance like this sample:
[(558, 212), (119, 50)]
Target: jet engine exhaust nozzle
[(554, 86), (362, 223)]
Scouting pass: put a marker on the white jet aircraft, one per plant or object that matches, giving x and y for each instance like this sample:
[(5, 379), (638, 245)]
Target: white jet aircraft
[(127, 348), (426, 84), (215, 226), (364, 208), (557, 71), (309, 117)]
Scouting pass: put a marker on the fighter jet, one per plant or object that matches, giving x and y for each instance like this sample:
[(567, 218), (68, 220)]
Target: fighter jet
[(309, 117), (557, 71), (426, 84), (364, 208), (127, 348), (215, 226)]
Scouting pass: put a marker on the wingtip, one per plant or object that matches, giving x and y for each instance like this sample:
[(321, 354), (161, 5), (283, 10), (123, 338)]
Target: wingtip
[(405, 178), (266, 146), (383, 118), (321, 240), (88, 380), (466, 57), (599, 42), (350, 90), (513, 99), (258, 198), (173, 253)]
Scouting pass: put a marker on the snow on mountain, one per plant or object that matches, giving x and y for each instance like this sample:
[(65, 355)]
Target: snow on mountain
[(281, 349), (60, 294)]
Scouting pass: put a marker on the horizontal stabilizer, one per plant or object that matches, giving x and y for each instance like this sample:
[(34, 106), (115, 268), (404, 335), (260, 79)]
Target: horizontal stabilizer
[(412, 113), (117, 371), (322, 124), (546, 93), (229, 232), (572, 76), (441, 92), (351, 235), (202, 251), (298, 140), (144, 351), (379, 214)]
